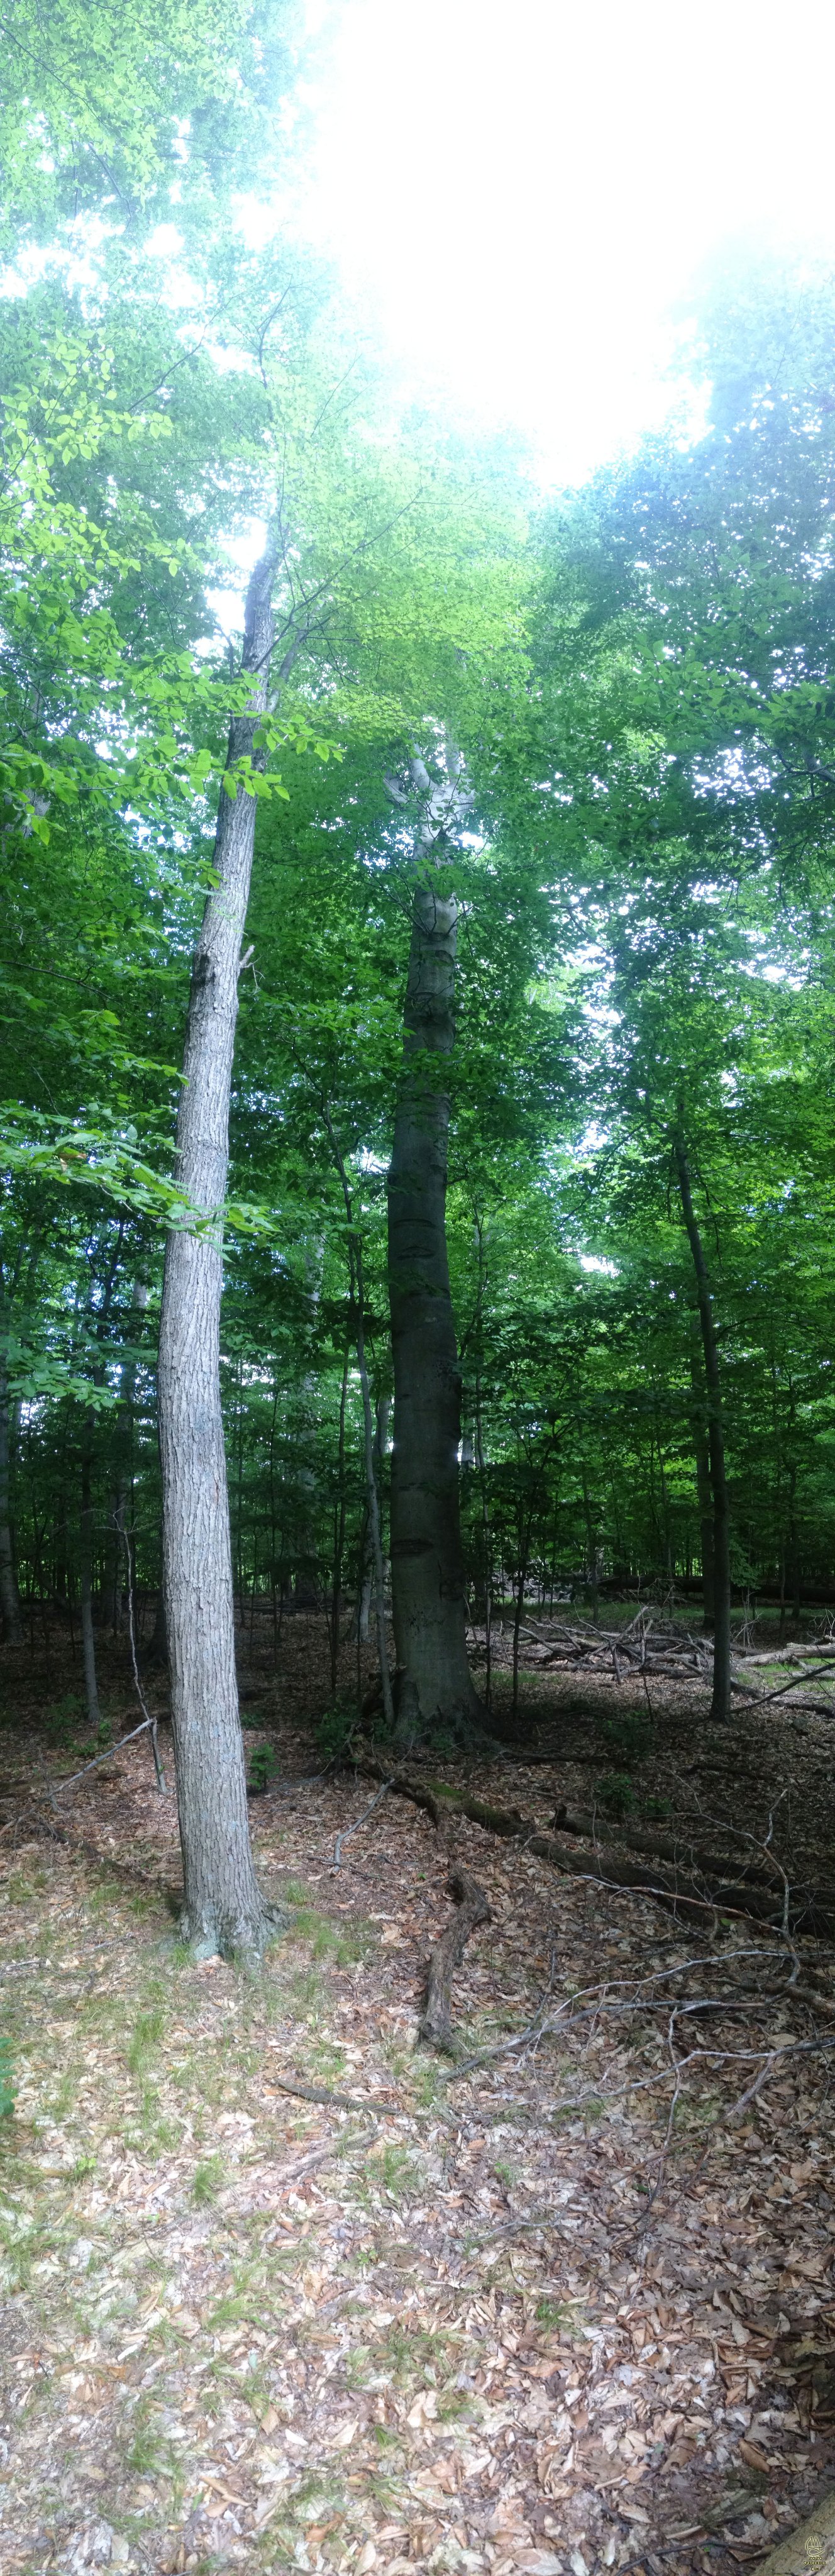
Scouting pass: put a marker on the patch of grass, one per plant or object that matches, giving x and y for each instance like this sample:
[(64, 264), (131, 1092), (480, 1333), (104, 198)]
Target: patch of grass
[(150, 2455), (306, 1990), (295, 1892), (416, 2354), (397, 2171), (453, 2402), (206, 2181), (7, 2093), (555, 2314), (145, 2037)]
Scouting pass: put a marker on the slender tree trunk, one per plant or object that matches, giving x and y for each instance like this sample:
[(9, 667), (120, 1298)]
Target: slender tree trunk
[(703, 1488), (426, 1555), (356, 1278), (591, 1547), (223, 1909), (721, 1701), (122, 1457), (88, 1642), (367, 1574), (9, 1599), (338, 1537)]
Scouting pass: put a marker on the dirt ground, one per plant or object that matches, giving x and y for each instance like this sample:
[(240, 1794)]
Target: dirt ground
[(563, 2310)]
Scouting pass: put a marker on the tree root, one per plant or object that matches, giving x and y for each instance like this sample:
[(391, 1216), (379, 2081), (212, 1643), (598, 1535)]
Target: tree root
[(470, 1909)]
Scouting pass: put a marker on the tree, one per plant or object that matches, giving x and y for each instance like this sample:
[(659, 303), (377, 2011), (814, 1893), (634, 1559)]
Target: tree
[(427, 1563)]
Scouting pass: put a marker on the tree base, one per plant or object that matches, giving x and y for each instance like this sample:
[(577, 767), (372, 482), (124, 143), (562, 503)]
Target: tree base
[(457, 1725), (247, 1936)]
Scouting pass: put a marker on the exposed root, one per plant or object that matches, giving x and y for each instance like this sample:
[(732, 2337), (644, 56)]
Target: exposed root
[(470, 1910)]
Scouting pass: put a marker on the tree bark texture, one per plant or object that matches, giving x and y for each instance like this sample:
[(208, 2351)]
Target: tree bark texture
[(9, 1600), (703, 1489), (720, 1707), (470, 1910), (223, 1909), (88, 1642), (426, 1558), (123, 1438)]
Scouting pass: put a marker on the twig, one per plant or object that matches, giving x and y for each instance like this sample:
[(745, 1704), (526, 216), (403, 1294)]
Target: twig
[(347, 1830), (81, 1775)]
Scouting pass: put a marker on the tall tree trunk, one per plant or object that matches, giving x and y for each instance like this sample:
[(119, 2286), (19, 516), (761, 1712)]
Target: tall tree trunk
[(9, 1599), (223, 1909), (88, 1642), (703, 1488), (122, 1453), (339, 1515), (721, 1701), (367, 1556), (426, 1557)]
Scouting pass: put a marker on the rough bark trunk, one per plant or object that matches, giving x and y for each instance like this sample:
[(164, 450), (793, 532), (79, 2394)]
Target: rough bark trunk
[(122, 1454), (702, 1458), (223, 1909), (368, 1558), (9, 1599), (426, 1557), (720, 1707), (88, 1642)]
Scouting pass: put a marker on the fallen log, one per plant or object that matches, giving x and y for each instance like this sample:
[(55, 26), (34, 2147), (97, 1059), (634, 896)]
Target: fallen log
[(667, 1847), (811, 2549), (671, 1886)]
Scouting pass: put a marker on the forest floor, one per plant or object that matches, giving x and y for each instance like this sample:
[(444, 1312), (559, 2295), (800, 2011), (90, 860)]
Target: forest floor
[(560, 2311)]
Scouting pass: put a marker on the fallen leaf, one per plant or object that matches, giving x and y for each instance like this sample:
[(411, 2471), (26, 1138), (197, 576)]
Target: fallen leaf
[(752, 2455), (345, 2434), (425, 2408)]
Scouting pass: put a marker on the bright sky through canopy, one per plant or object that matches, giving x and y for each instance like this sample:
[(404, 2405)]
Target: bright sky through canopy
[(518, 195)]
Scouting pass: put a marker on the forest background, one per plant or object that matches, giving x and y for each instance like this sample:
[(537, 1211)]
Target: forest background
[(629, 691)]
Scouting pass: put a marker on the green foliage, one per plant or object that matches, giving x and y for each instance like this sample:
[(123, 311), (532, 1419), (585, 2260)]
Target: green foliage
[(7, 2094), (640, 680), (615, 1794), (264, 1767), (335, 1730), (207, 2181), (61, 1721), (629, 1736)]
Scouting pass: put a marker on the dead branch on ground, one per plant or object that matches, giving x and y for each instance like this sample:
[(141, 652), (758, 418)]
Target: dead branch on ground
[(470, 1909)]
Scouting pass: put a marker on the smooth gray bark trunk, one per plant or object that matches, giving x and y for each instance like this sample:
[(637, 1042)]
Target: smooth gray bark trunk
[(427, 1569), (223, 1909), (9, 1598), (720, 1708)]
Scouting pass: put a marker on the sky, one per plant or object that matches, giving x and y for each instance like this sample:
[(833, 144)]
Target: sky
[(519, 197)]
